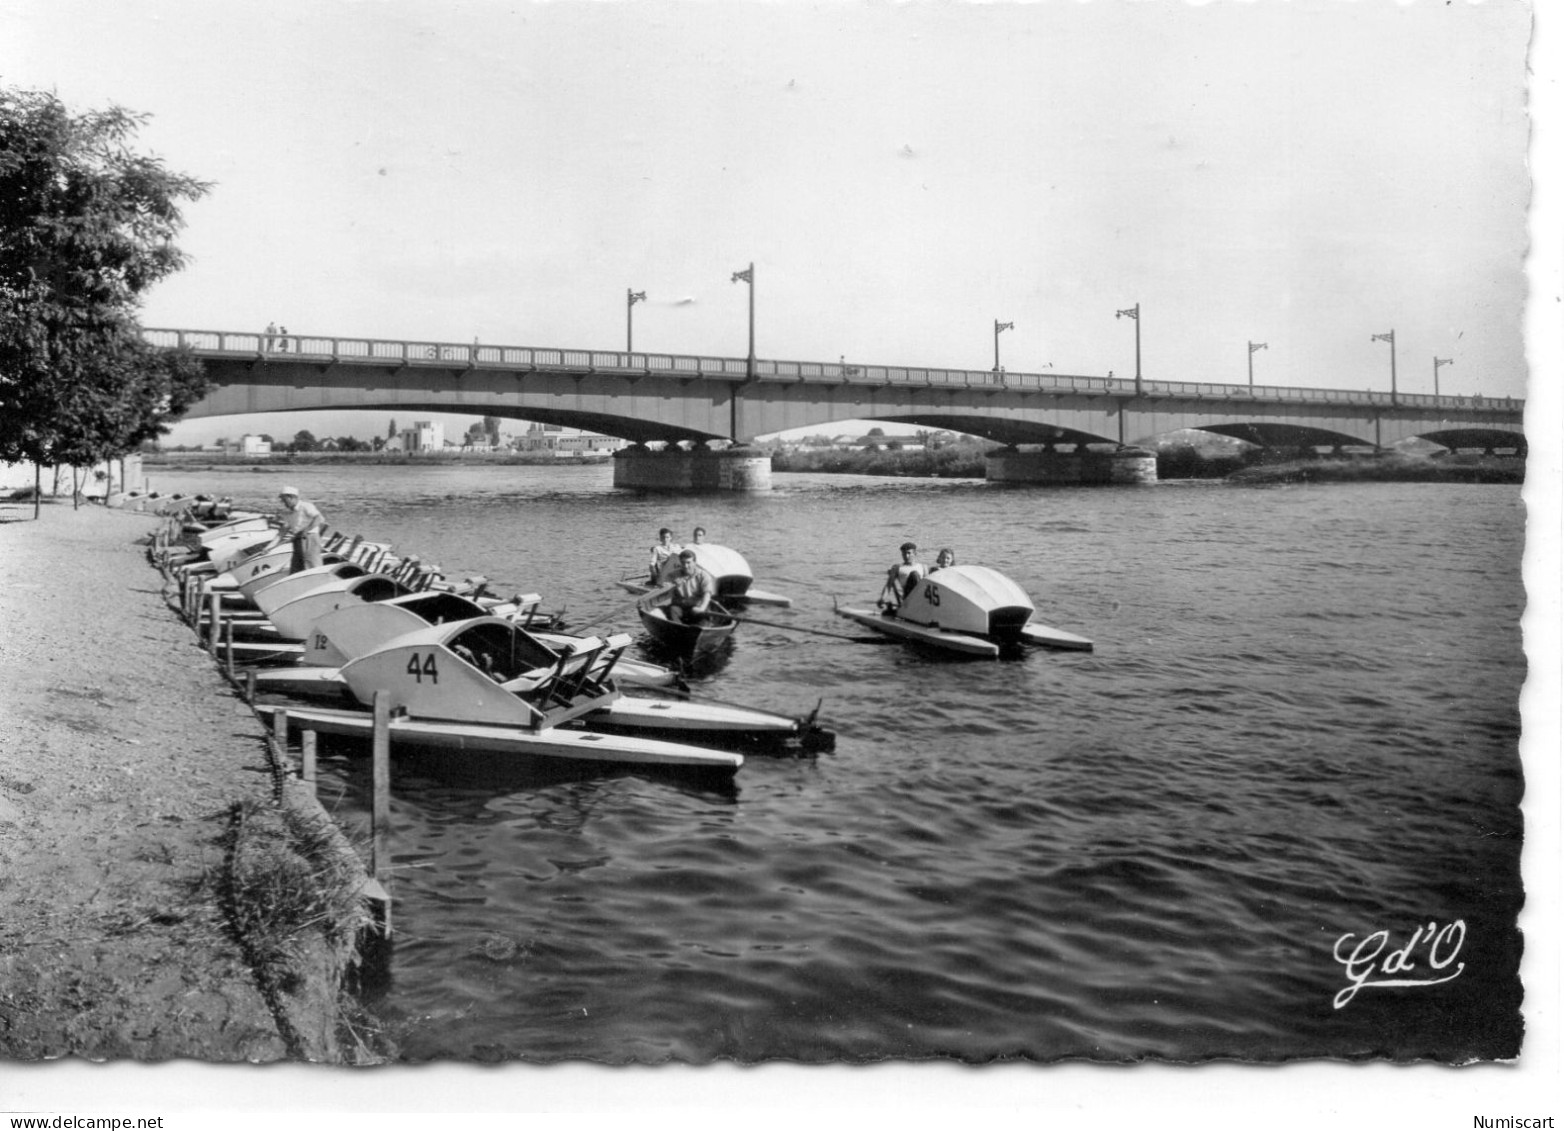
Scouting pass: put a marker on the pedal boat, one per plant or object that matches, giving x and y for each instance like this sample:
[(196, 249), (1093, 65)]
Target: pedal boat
[(488, 686), (355, 630), (969, 610)]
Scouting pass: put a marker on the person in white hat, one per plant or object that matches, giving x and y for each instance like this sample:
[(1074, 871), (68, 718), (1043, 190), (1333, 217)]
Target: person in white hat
[(301, 522)]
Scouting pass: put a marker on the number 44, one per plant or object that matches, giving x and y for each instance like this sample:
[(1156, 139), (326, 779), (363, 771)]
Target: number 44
[(418, 668)]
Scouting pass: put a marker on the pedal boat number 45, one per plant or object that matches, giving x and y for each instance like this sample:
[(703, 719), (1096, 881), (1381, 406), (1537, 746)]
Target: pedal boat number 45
[(971, 610)]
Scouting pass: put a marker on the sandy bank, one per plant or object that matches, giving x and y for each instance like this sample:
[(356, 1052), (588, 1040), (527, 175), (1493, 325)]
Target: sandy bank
[(123, 754)]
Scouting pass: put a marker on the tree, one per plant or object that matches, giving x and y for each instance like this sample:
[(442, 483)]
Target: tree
[(86, 227), (303, 441), (391, 431)]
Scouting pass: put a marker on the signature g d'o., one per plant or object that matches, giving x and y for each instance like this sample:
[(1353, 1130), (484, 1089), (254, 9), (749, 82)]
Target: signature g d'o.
[(1369, 963)]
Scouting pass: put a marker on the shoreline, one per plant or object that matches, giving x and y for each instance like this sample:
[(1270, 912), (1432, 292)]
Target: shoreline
[(127, 762)]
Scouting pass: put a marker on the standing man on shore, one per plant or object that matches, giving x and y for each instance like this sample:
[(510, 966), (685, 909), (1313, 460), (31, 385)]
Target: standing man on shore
[(301, 522)]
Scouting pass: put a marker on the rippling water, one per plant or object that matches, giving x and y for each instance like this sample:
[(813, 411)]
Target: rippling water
[(1300, 722)]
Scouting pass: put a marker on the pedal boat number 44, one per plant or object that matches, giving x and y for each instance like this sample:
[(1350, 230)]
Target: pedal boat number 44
[(486, 685), (971, 610)]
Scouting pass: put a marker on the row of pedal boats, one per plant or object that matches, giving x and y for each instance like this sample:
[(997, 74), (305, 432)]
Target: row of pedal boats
[(457, 668), (468, 670)]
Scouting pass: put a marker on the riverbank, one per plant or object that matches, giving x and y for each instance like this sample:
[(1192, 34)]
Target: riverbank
[(130, 777)]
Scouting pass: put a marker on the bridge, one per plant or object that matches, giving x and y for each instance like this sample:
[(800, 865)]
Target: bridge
[(648, 397)]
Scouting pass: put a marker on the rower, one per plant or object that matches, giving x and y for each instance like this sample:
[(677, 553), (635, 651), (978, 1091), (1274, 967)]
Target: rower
[(691, 594), (901, 579)]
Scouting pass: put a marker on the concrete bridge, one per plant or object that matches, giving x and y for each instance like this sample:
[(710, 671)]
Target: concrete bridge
[(645, 397)]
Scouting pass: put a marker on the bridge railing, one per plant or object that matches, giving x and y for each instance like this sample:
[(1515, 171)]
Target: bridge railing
[(284, 347)]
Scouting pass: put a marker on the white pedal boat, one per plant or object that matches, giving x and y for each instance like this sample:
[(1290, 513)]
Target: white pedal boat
[(357, 629), (493, 671), (971, 610)]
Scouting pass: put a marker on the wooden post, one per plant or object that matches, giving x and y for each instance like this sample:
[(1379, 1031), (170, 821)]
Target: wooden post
[(228, 647), (380, 815), (249, 686), (307, 757), (214, 599)]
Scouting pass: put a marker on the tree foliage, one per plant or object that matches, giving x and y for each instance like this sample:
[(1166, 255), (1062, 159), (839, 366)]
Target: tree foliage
[(86, 227)]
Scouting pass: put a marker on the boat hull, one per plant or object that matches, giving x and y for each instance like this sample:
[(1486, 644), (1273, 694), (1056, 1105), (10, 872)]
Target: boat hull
[(571, 745), (685, 639), (958, 642)]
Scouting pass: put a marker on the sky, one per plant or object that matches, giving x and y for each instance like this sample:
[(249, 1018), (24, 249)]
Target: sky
[(1305, 174)]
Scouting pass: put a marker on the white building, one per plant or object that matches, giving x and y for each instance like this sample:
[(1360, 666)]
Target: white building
[(423, 436), (558, 438)]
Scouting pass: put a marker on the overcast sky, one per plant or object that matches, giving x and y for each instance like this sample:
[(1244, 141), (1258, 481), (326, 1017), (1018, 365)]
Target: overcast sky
[(1303, 174)]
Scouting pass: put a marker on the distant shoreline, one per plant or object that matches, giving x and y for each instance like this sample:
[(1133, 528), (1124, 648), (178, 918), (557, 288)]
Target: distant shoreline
[(206, 461), (953, 463)]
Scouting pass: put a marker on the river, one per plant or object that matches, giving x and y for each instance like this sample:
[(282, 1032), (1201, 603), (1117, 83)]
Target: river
[(1298, 729)]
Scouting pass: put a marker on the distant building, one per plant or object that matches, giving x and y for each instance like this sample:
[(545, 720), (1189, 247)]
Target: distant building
[(423, 436), (557, 438), (251, 445)]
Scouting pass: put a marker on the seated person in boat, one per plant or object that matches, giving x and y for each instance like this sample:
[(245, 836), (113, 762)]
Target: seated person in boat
[(698, 537), (902, 578), (946, 558), (664, 554), (691, 594)]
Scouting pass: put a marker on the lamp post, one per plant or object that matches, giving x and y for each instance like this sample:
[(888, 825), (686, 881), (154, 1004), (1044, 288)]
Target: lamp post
[(1389, 337), (631, 298), (999, 328), (1133, 312), (1438, 361), (748, 276), (1252, 347)]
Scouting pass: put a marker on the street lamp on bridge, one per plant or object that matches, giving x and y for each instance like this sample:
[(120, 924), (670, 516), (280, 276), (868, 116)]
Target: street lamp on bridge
[(999, 328), (1133, 312), (1252, 347), (1390, 337), (631, 298), (1438, 361), (748, 276)]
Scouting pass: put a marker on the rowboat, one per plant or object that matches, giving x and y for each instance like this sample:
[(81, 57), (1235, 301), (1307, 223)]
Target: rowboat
[(969, 610), (735, 580), (682, 639)]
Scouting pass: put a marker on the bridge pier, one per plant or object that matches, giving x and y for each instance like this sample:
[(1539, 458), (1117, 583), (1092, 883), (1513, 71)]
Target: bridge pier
[(1081, 467), (640, 468)]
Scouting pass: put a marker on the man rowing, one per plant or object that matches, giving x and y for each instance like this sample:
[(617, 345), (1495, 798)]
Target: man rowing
[(690, 595)]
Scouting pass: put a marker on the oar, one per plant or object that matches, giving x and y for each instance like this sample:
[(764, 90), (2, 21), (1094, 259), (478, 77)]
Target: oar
[(811, 631), (618, 609)]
